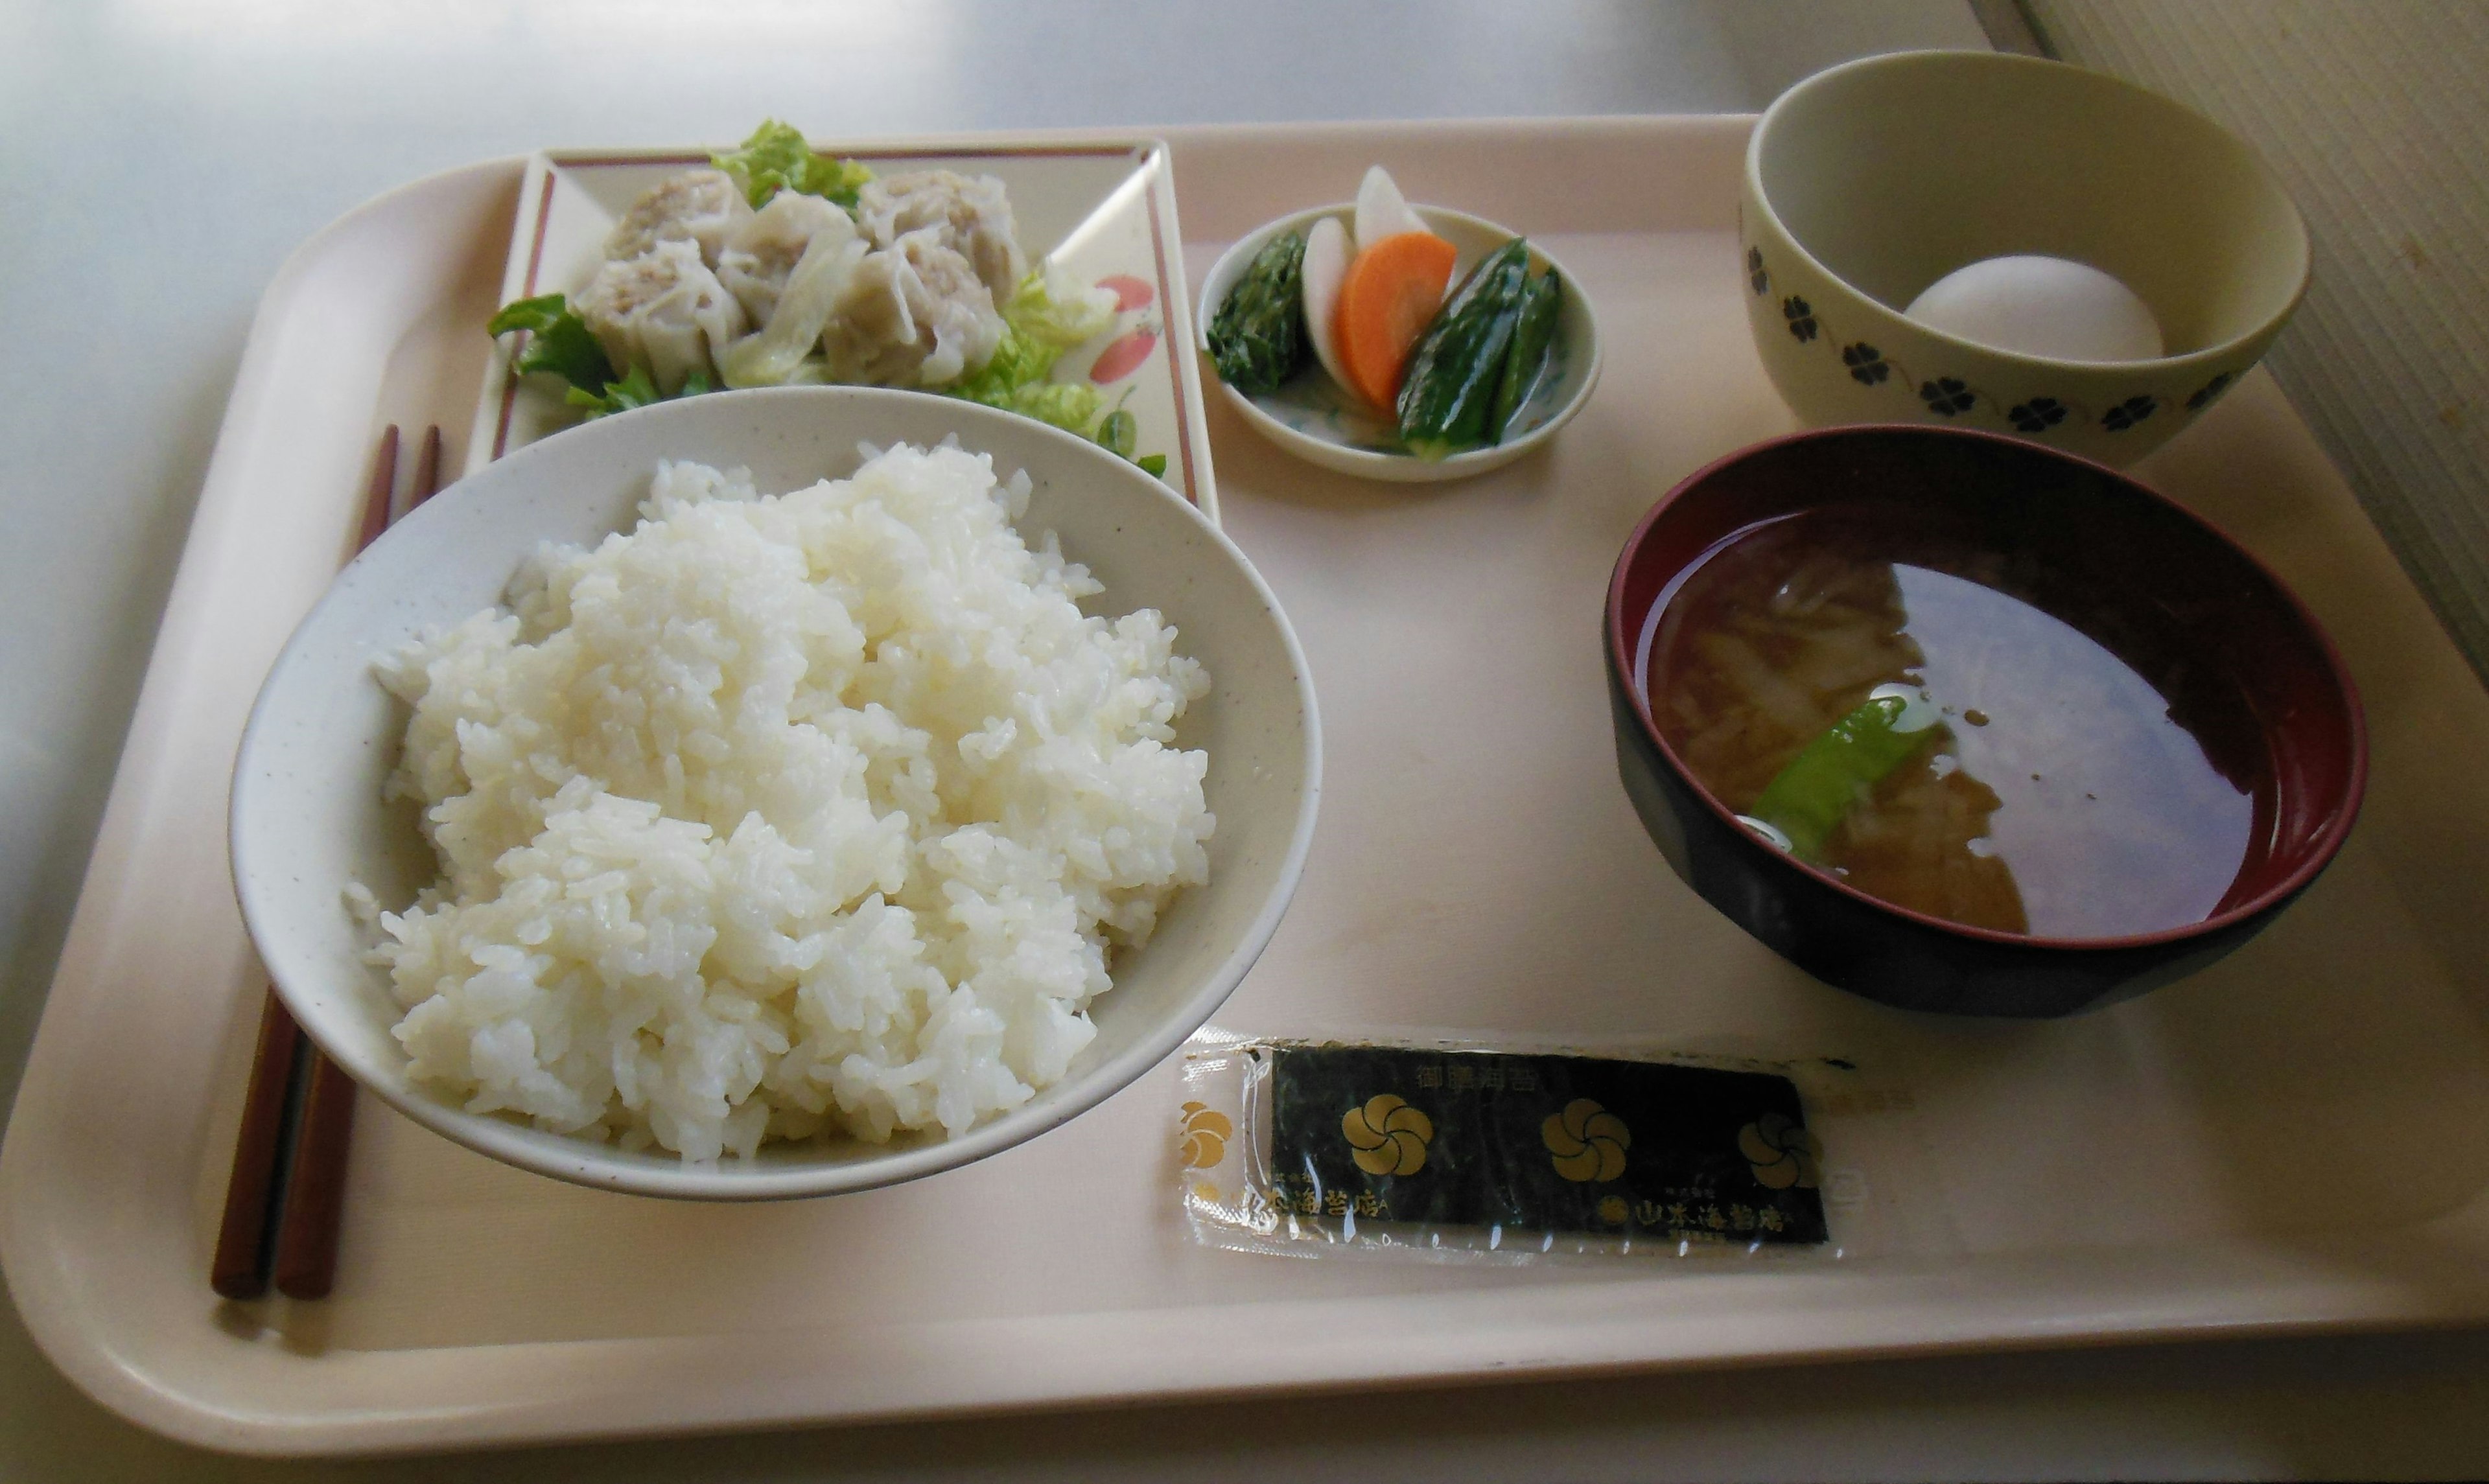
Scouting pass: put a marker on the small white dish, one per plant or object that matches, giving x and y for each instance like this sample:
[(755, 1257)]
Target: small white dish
[(1322, 422), (308, 814)]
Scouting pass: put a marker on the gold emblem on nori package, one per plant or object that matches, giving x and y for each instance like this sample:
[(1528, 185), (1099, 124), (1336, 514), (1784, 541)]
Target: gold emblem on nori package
[(1206, 1132), (1388, 1136), (1781, 1154), (1587, 1141)]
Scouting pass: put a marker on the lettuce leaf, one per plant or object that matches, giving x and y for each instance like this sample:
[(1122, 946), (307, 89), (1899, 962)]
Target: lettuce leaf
[(1067, 405), (776, 158), (559, 341), (1055, 310), (634, 389), (1042, 320)]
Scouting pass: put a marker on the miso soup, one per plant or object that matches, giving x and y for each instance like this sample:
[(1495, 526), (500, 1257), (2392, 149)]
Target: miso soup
[(2079, 780)]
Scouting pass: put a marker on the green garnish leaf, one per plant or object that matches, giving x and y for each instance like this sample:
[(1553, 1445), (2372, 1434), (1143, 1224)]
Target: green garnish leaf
[(1153, 464), (633, 390), (1119, 433), (1808, 798), (558, 342), (777, 157)]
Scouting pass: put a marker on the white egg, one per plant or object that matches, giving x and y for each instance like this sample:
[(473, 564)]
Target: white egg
[(2038, 306)]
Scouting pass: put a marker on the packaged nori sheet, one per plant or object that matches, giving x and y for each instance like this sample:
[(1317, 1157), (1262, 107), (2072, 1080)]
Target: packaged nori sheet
[(1543, 1143)]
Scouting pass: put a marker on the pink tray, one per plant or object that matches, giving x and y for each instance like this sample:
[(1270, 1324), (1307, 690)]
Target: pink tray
[(2295, 1139)]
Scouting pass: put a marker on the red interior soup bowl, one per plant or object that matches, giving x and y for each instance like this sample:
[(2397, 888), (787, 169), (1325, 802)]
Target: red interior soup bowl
[(1964, 723)]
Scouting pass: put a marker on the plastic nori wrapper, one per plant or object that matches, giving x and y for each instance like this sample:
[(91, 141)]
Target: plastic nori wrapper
[(1543, 1143), (1448, 1149)]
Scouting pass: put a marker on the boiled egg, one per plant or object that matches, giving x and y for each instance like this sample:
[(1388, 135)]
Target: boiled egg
[(2037, 305)]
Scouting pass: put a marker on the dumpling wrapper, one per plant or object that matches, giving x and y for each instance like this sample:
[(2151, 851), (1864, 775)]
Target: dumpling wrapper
[(697, 206), (775, 354), (972, 214), (916, 313), (761, 252), (663, 311)]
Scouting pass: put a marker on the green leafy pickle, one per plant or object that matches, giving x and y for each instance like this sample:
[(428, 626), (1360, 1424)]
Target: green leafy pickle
[(777, 157), (1257, 338), (1808, 798), (559, 341)]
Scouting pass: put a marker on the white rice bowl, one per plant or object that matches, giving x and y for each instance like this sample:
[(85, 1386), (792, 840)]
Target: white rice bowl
[(784, 816)]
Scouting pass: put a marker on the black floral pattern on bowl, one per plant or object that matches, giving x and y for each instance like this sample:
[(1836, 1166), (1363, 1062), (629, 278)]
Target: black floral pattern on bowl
[(2129, 413), (1866, 364), (2037, 415), (1950, 396), (1947, 396)]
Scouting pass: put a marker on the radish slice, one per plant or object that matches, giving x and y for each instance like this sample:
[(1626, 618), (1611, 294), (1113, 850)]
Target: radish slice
[(1382, 210), (1326, 255)]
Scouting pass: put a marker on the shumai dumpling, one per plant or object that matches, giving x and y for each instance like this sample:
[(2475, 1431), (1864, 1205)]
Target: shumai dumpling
[(781, 351), (913, 314), (972, 215), (663, 311), (761, 251), (697, 206)]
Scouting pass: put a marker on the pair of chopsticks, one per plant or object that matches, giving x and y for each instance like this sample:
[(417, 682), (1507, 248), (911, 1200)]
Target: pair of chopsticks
[(287, 1192)]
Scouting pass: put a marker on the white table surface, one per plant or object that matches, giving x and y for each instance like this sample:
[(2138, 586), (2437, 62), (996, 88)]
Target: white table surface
[(158, 157)]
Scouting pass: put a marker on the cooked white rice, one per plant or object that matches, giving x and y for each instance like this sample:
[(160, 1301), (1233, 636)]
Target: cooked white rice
[(783, 816)]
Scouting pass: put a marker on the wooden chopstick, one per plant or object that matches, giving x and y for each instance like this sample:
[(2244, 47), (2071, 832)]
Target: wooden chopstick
[(289, 1075), (239, 1269), (305, 1264)]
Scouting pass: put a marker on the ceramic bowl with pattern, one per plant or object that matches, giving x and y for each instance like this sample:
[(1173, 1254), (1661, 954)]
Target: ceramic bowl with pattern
[(1868, 182), (1322, 422)]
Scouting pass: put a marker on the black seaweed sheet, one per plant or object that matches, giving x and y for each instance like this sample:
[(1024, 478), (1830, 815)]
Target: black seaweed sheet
[(1546, 1143)]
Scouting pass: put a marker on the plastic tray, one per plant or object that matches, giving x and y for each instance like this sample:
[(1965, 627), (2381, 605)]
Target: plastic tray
[(2297, 1139)]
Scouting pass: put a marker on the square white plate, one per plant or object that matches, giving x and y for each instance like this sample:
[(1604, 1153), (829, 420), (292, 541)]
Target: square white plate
[(1103, 211)]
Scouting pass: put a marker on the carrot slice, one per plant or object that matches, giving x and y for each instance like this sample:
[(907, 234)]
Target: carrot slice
[(1392, 290)]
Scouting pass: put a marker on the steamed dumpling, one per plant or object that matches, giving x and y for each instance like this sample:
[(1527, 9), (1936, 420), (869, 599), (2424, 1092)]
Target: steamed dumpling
[(972, 217), (697, 206), (781, 351), (915, 313), (663, 311), (761, 251)]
